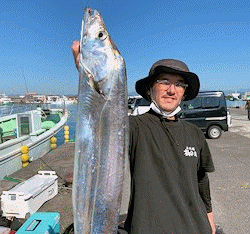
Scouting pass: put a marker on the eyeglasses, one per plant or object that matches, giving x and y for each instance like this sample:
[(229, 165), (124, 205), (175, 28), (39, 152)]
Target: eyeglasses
[(180, 86)]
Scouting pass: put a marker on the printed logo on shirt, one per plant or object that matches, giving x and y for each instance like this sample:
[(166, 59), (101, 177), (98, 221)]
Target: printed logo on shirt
[(190, 152)]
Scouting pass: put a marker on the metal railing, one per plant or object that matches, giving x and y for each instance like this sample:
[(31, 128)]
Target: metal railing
[(9, 109)]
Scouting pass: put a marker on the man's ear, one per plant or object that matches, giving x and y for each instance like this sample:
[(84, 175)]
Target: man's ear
[(149, 93)]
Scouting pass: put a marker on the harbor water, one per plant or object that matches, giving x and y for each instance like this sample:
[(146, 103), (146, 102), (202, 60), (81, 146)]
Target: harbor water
[(71, 122)]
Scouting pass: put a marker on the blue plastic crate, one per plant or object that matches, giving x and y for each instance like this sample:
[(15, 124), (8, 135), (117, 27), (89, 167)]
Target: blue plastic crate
[(41, 223)]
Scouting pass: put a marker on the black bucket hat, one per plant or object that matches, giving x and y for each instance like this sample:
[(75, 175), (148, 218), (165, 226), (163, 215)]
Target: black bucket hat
[(169, 66)]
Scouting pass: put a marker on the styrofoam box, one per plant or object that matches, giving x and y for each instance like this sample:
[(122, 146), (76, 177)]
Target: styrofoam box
[(27, 197)]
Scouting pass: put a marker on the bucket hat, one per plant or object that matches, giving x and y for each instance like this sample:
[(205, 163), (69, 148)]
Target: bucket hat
[(169, 66)]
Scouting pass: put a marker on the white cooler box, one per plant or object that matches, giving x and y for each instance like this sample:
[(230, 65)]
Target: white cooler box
[(27, 197)]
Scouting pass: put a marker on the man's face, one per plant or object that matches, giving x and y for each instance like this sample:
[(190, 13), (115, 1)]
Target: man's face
[(166, 96)]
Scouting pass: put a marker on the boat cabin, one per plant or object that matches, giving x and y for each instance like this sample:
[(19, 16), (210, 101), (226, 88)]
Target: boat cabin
[(27, 123)]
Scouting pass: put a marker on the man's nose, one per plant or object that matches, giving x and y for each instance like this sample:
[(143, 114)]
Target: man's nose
[(171, 88)]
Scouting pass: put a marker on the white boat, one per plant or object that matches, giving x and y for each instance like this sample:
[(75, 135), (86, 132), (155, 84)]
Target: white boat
[(63, 100), (54, 100), (4, 100), (32, 128)]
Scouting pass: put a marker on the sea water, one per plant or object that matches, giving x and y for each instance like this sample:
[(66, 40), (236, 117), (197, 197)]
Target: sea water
[(71, 122)]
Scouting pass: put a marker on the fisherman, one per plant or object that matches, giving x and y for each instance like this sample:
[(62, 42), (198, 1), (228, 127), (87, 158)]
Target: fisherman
[(169, 157)]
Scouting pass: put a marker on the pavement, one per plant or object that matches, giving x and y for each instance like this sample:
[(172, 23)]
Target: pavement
[(230, 183), (240, 122)]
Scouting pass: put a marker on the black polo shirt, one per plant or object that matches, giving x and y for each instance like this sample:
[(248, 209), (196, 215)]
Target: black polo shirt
[(168, 162)]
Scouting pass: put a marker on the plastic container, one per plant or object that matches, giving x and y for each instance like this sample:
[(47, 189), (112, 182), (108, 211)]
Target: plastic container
[(41, 223), (27, 197)]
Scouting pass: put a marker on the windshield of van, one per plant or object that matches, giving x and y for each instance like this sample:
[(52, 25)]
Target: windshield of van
[(191, 104), (210, 102), (142, 102), (201, 103)]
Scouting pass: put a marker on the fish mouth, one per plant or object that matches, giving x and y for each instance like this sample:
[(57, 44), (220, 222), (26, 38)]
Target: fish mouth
[(88, 16), (90, 13)]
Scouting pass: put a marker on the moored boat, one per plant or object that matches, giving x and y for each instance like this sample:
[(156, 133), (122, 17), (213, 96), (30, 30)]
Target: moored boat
[(5, 100), (32, 128)]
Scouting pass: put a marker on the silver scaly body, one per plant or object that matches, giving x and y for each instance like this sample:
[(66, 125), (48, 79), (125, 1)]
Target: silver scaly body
[(102, 130)]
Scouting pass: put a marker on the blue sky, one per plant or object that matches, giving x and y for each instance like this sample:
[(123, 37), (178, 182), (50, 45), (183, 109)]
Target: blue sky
[(211, 37)]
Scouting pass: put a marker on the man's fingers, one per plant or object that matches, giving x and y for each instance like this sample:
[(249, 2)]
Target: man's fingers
[(75, 48), (76, 51)]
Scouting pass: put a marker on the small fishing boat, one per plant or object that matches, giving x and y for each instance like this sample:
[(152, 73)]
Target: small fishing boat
[(4, 100), (33, 128)]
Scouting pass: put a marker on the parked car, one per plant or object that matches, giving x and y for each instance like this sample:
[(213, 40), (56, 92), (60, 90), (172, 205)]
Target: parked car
[(141, 106), (208, 111), (132, 100)]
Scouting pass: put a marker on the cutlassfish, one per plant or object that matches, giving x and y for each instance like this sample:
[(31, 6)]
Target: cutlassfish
[(101, 130)]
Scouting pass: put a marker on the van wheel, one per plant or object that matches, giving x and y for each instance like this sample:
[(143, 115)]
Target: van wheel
[(214, 132)]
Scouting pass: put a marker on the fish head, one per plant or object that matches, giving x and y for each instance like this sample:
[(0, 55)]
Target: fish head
[(99, 57)]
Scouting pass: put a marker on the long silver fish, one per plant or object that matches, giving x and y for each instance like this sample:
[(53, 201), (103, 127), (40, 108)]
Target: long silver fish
[(102, 130)]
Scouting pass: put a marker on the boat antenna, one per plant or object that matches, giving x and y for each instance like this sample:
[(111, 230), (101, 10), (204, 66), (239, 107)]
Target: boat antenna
[(27, 91), (26, 87)]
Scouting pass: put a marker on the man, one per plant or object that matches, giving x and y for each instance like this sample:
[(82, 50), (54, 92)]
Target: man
[(169, 157)]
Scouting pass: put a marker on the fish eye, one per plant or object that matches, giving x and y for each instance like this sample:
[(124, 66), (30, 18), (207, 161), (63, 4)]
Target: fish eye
[(102, 35)]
